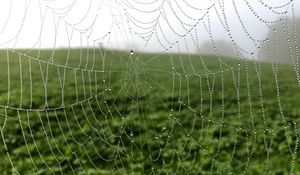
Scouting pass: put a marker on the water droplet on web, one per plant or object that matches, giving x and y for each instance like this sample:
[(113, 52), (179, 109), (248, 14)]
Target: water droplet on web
[(131, 52)]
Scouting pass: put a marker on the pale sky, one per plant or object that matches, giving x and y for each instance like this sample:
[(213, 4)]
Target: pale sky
[(120, 24)]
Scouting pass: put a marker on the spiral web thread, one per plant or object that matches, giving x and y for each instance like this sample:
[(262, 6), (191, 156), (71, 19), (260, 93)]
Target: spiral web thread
[(91, 109)]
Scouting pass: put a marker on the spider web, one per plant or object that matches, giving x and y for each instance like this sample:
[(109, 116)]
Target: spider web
[(84, 97)]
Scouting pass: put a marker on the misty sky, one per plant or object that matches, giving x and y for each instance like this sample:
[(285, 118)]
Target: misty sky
[(136, 24)]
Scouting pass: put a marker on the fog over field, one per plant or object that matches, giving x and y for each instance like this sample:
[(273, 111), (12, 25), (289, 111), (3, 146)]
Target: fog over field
[(113, 24)]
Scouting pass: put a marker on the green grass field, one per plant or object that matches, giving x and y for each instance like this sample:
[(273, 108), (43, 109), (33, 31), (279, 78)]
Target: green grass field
[(97, 111)]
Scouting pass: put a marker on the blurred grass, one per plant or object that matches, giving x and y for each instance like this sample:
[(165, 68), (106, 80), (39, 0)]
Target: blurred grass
[(108, 112)]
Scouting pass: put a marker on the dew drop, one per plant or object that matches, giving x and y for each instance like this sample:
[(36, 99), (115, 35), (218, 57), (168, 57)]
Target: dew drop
[(131, 52)]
